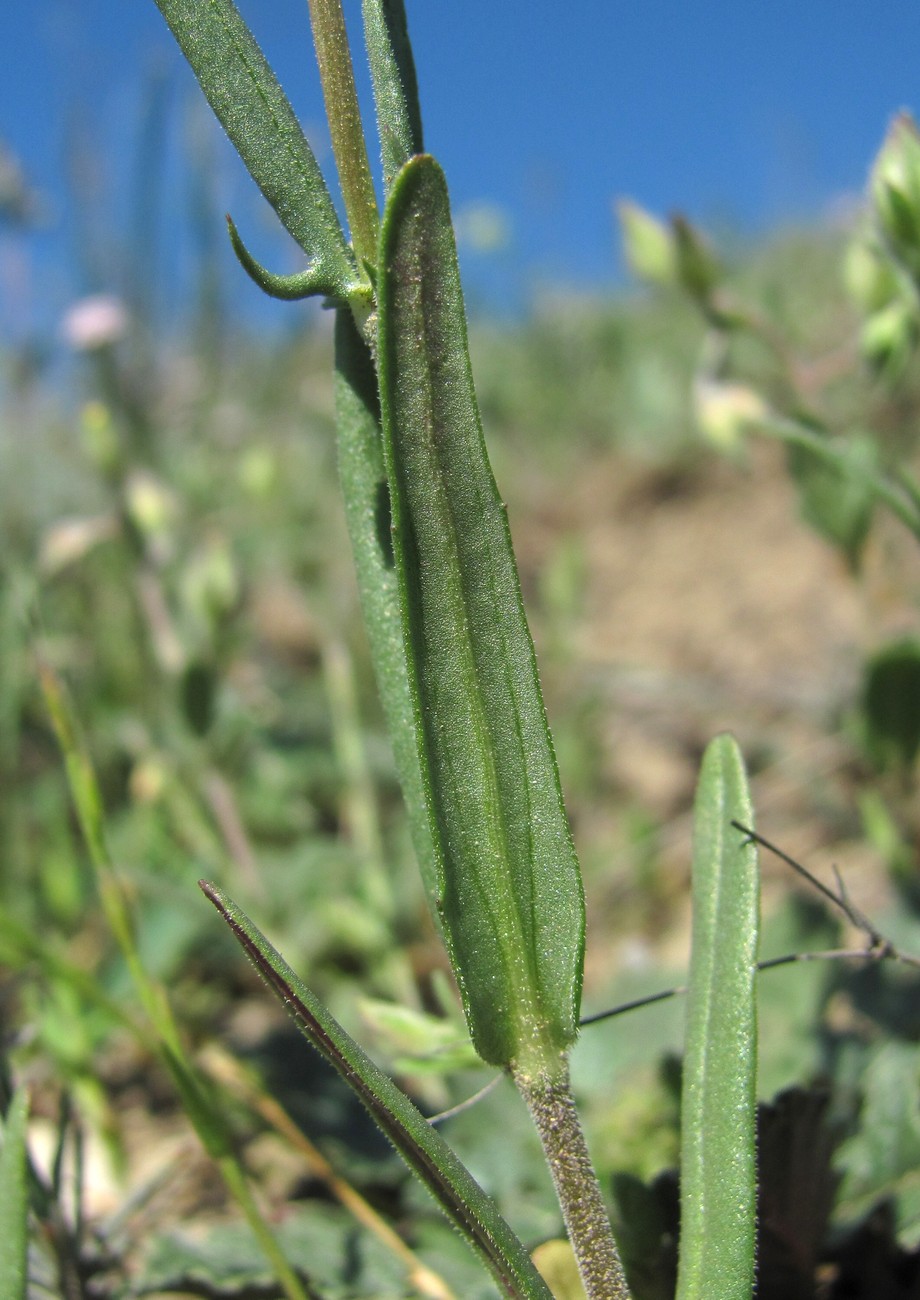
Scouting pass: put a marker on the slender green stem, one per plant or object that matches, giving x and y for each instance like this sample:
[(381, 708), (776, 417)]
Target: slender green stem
[(235, 1179), (902, 499), (552, 1108), (344, 115), (359, 799)]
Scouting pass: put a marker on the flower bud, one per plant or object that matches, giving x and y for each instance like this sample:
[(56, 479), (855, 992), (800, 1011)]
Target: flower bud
[(211, 585), (889, 336), (95, 322), (68, 541), (258, 471), (869, 276), (726, 411), (151, 507), (483, 227), (100, 437), (697, 269), (895, 187), (148, 780), (648, 244)]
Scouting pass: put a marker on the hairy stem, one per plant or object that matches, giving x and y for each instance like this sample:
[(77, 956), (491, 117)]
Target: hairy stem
[(552, 1108), (344, 115)]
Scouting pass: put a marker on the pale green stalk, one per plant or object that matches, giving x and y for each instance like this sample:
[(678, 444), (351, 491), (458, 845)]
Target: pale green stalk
[(556, 1119), (344, 117)]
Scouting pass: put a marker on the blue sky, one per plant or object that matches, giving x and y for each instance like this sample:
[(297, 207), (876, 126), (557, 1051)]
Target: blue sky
[(740, 114)]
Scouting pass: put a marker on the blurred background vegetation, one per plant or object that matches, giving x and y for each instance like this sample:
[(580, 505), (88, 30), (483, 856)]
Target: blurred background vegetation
[(174, 549)]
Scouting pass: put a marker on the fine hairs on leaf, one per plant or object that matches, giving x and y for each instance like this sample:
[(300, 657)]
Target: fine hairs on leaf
[(509, 889), (718, 1180), (392, 65)]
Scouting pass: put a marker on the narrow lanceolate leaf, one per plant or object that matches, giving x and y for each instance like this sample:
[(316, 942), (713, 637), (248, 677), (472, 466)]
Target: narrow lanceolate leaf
[(14, 1200), (257, 116), (718, 1114), (399, 118), (424, 1150), (509, 887), (367, 508)]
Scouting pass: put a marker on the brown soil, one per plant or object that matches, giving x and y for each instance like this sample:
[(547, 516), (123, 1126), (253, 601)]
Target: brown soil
[(710, 605)]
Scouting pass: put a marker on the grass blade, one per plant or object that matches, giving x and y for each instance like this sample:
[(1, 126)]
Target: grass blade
[(200, 1104), (509, 887), (422, 1147), (14, 1200), (718, 1115)]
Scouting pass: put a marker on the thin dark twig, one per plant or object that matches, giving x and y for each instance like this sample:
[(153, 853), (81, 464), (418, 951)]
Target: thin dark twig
[(461, 1106), (878, 944), (632, 1006), (832, 954), (826, 954), (877, 948)]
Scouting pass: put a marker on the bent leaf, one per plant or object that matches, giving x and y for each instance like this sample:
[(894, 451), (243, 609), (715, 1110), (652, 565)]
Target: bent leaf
[(718, 1173), (422, 1147), (290, 288), (257, 116), (509, 888)]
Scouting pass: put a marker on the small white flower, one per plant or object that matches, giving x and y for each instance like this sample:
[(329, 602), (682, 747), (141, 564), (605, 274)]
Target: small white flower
[(95, 321), (726, 411)]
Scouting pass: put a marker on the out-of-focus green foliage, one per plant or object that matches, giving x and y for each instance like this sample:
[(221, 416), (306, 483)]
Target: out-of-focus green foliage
[(184, 564)]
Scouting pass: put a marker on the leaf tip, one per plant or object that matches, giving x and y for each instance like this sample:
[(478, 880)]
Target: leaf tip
[(212, 894)]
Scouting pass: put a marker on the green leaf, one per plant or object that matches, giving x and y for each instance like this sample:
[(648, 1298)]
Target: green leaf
[(318, 1239), (879, 1162), (422, 1147), (289, 288), (718, 1113), (509, 887), (367, 508), (838, 497), (891, 704), (695, 265), (417, 1042), (257, 116), (399, 118), (14, 1200)]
